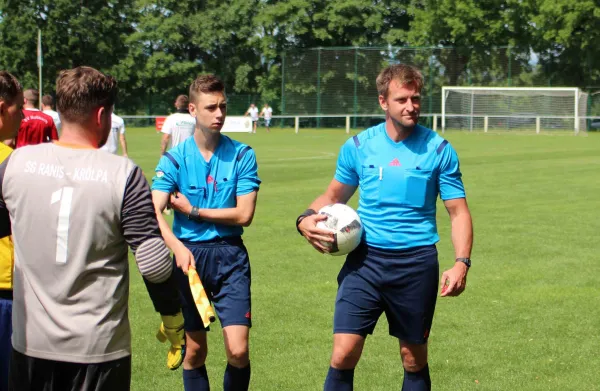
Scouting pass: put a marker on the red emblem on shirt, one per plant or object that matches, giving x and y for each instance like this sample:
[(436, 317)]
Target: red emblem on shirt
[(395, 162)]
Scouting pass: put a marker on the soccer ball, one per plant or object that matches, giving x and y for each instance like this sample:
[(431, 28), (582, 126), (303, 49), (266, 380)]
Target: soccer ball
[(346, 226)]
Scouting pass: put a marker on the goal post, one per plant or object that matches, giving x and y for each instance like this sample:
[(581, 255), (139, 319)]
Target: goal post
[(513, 108)]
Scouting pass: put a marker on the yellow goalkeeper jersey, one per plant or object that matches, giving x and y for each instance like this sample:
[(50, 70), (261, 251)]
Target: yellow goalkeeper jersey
[(7, 257)]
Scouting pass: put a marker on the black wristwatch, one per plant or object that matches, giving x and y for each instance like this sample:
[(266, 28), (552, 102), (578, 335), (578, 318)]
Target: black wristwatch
[(466, 261)]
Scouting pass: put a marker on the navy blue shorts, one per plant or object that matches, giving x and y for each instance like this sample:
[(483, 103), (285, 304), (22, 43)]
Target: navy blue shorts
[(5, 335), (403, 284), (224, 269)]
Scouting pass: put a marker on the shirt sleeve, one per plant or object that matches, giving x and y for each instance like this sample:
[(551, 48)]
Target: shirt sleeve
[(5, 227), (345, 171), (141, 231), (450, 177), (166, 128), (138, 217), (165, 175), (248, 180), (53, 132), (122, 128)]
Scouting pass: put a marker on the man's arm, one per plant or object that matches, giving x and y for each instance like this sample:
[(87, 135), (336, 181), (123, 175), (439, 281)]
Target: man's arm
[(5, 227), (453, 281), (242, 214), (164, 143), (123, 144), (183, 256), (337, 192), (142, 234)]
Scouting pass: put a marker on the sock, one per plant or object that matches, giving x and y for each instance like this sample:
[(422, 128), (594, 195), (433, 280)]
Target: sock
[(417, 381), (339, 380), (196, 379), (236, 379)]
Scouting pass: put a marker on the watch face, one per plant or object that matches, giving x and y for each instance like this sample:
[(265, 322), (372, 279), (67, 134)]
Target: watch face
[(466, 261)]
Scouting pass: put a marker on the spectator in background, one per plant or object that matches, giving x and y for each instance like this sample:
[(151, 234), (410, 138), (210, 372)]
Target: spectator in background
[(48, 108), (36, 127)]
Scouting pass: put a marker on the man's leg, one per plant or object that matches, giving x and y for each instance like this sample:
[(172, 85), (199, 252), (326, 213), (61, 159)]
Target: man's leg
[(195, 377), (5, 343), (347, 349), (237, 373), (416, 370)]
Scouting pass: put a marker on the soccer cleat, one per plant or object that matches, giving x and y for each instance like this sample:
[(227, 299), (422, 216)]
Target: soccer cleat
[(171, 329)]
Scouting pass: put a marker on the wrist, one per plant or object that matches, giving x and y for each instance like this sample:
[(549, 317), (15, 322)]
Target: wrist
[(465, 261), (305, 214), (194, 213)]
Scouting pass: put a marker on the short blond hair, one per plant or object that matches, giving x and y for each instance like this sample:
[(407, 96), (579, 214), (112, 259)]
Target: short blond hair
[(81, 90), (402, 73), (205, 84)]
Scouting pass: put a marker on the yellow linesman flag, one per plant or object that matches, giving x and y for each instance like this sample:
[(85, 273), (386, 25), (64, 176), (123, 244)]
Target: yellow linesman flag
[(199, 294)]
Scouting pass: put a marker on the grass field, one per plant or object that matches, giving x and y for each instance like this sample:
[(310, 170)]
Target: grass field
[(529, 319)]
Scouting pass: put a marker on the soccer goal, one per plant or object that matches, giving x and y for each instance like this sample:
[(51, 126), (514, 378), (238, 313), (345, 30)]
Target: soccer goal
[(513, 108)]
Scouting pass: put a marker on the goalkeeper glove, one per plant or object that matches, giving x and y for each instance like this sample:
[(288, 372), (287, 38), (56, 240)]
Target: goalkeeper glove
[(171, 329)]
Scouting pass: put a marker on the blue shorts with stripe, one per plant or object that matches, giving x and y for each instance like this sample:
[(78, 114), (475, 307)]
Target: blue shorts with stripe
[(224, 269), (401, 283)]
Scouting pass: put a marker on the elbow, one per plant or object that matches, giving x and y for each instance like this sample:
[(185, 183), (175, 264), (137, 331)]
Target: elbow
[(246, 219)]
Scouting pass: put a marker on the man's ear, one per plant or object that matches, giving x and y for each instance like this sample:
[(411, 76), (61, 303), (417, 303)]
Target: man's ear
[(383, 103), (192, 109), (3, 107)]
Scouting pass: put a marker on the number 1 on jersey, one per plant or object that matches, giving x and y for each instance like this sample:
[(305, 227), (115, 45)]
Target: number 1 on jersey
[(65, 196)]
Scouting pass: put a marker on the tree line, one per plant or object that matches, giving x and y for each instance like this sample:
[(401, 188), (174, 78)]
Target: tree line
[(155, 48)]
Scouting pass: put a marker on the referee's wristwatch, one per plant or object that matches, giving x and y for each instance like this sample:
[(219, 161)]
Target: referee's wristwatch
[(466, 261)]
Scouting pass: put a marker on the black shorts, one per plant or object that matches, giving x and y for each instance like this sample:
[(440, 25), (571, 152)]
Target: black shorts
[(36, 374), (224, 269), (403, 284)]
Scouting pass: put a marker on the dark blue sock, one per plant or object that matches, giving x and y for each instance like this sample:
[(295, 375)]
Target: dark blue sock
[(339, 380), (417, 381), (236, 379), (196, 379)]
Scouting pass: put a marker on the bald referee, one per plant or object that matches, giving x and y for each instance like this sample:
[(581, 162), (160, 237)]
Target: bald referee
[(75, 211)]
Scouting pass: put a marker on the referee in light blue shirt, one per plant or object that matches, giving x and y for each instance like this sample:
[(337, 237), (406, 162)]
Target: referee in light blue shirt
[(401, 168), (212, 183)]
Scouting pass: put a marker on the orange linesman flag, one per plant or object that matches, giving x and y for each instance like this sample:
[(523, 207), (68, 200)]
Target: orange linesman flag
[(199, 294)]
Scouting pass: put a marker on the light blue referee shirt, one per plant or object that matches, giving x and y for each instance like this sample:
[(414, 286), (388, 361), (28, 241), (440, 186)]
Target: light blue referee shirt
[(399, 184), (231, 172)]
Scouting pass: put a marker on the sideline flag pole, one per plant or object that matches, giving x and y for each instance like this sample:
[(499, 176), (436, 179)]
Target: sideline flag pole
[(40, 63)]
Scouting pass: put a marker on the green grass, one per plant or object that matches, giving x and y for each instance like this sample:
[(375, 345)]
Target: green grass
[(527, 321)]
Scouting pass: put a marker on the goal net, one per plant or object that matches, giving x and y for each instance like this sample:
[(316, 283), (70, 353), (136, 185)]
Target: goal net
[(513, 108)]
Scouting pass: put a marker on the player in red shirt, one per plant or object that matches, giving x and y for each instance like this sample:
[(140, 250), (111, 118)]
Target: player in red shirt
[(36, 127)]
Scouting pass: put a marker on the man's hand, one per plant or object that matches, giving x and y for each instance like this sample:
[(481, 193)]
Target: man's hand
[(180, 203), (319, 238), (171, 329), (454, 281), (183, 257)]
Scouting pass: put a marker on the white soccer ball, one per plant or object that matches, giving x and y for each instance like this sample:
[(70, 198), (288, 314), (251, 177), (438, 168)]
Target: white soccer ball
[(346, 226)]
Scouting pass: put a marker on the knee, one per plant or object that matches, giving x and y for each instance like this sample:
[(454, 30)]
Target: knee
[(238, 357), (344, 359), (195, 356), (413, 361)]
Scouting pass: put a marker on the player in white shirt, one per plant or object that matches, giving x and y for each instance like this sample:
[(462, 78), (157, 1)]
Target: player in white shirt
[(48, 108), (253, 113), (267, 114), (117, 131), (178, 126)]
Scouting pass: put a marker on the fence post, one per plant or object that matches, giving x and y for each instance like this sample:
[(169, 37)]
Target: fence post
[(355, 85), (319, 88), (435, 122), (296, 124), (282, 88), (485, 124), (537, 125), (348, 124)]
